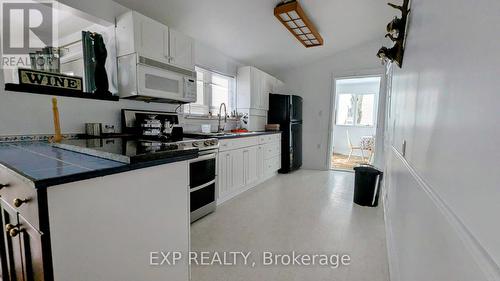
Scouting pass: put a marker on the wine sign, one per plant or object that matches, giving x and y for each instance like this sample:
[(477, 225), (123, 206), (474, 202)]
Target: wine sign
[(49, 79)]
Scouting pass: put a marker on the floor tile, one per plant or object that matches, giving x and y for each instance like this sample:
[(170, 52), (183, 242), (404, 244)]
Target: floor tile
[(306, 211)]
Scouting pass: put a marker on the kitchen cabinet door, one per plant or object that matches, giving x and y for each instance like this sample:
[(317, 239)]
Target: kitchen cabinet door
[(12, 264), (181, 50), (225, 174), (266, 87), (278, 87), (260, 161), (3, 253), (152, 38), (238, 169), (255, 88), (31, 248), (250, 165)]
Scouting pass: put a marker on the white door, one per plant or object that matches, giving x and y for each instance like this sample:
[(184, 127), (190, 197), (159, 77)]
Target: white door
[(181, 50), (152, 39)]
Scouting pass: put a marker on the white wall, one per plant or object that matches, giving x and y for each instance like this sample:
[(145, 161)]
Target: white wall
[(443, 197), (314, 83), (22, 113)]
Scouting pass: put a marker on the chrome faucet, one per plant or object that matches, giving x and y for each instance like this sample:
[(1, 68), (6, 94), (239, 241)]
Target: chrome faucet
[(219, 129)]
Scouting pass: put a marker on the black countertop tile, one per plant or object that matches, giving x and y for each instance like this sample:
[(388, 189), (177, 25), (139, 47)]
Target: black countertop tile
[(42, 165)]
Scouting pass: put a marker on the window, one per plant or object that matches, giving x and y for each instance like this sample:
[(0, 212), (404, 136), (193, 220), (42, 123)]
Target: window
[(212, 89), (355, 109)]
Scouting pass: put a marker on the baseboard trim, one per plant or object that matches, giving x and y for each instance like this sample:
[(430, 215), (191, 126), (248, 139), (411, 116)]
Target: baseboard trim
[(483, 259), (392, 255)]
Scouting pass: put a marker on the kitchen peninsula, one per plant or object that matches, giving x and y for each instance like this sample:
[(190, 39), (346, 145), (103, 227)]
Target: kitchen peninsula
[(54, 201)]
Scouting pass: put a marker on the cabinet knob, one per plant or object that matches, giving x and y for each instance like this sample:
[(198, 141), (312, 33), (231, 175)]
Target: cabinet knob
[(9, 227), (14, 232), (18, 202), (2, 185)]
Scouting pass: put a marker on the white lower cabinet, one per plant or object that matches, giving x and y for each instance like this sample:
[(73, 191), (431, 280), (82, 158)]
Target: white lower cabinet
[(246, 162)]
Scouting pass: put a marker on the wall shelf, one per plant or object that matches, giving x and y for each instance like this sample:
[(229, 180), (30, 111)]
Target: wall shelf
[(41, 90)]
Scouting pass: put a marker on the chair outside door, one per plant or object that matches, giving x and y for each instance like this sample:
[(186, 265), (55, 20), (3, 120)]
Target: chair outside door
[(352, 148)]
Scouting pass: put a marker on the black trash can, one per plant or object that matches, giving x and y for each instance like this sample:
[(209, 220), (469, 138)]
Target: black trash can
[(367, 185)]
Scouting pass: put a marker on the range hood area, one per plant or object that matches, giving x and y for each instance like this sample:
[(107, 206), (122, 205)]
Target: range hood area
[(155, 62)]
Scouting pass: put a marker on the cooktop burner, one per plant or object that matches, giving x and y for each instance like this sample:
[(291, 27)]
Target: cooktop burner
[(133, 150)]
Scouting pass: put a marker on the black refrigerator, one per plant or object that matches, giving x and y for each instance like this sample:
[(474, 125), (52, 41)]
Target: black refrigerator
[(286, 110)]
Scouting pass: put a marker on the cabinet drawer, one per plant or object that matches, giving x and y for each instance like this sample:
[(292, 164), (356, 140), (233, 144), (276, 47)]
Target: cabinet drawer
[(237, 143), (17, 189), (273, 164), (269, 138), (271, 150)]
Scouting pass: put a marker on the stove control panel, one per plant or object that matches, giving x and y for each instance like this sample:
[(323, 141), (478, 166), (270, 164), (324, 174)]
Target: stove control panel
[(207, 143)]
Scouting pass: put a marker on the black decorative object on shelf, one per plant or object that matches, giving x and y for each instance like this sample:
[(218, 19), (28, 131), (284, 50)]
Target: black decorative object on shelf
[(397, 31), (95, 54)]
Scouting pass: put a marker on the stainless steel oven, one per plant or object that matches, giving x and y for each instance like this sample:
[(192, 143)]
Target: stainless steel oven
[(203, 184)]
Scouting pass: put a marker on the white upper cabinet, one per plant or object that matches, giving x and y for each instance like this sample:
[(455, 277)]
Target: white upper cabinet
[(181, 49), (136, 33), (266, 87), (279, 87), (152, 39), (254, 87)]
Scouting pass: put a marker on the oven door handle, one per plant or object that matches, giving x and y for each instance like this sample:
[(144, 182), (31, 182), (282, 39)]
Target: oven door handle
[(202, 186), (204, 157)]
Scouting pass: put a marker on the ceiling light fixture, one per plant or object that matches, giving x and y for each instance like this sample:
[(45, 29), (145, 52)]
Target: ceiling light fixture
[(291, 15)]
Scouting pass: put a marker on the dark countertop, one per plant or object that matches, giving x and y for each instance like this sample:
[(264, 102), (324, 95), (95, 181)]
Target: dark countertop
[(42, 165), (232, 136)]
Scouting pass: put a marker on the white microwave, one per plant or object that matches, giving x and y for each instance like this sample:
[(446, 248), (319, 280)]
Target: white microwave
[(145, 79)]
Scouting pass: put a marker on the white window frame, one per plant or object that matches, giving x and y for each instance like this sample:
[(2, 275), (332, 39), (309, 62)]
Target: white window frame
[(374, 120), (207, 95)]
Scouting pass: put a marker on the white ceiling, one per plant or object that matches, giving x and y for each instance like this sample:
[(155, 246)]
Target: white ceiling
[(248, 31)]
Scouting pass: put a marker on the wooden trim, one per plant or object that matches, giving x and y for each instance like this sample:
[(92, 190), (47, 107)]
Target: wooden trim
[(295, 6)]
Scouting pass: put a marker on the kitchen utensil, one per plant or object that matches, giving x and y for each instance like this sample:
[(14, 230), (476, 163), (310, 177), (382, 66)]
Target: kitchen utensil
[(177, 133), (57, 125)]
